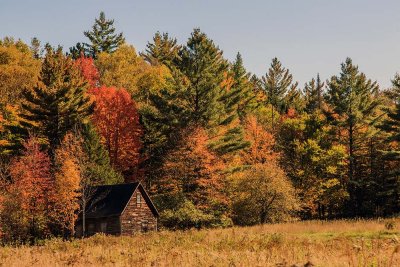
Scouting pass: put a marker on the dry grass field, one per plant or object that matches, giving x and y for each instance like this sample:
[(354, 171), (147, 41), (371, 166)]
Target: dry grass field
[(313, 243)]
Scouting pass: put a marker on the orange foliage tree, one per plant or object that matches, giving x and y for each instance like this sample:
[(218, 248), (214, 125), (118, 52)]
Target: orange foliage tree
[(117, 120), (194, 170), (67, 183), (88, 70), (261, 149), (29, 193)]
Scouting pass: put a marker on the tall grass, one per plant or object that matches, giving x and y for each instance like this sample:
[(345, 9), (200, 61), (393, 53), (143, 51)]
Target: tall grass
[(311, 243)]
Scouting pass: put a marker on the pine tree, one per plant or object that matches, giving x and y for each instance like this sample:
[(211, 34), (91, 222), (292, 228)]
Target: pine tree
[(203, 65), (59, 102), (78, 51), (103, 37), (241, 91), (313, 92), (209, 103), (390, 186), (163, 50), (97, 169), (391, 125), (36, 48), (277, 82), (353, 101)]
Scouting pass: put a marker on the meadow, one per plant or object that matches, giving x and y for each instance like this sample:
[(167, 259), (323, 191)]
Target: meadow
[(309, 243)]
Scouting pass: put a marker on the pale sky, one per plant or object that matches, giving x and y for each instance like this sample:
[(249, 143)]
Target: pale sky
[(308, 36)]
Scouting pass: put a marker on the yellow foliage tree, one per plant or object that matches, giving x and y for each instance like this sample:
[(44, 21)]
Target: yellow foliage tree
[(263, 194), (194, 170), (121, 69), (67, 183), (124, 68), (19, 70), (262, 142)]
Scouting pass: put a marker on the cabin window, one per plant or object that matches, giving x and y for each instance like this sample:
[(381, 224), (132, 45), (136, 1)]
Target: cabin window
[(138, 200), (103, 227), (145, 227)]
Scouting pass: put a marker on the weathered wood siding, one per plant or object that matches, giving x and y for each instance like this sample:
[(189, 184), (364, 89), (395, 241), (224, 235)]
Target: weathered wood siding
[(137, 217)]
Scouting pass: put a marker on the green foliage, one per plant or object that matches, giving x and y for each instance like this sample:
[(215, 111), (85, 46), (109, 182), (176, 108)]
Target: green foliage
[(241, 94), (352, 110), (313, 94), (77, 51), (208, 102), (59, 102), (186, 216), (102, 37), (314, 164), (97, 168), (277, 83), (163, 50)]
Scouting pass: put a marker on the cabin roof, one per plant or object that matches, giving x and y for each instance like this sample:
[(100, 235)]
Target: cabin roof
[(111, 200)]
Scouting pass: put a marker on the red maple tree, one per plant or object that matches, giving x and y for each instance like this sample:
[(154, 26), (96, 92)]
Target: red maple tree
[(31, 186), (117, 120), (88, 70)]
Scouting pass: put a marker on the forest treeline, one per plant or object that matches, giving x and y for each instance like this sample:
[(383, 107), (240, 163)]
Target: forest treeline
[(213, 144)]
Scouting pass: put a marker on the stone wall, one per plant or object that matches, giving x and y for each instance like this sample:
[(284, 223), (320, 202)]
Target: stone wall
[(137, 216)]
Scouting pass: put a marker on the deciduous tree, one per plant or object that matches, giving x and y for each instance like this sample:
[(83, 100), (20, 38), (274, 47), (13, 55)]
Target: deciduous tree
[(19, 70), (29, 194), (68, 176), (88, 70), (263, 194), (117, 120)]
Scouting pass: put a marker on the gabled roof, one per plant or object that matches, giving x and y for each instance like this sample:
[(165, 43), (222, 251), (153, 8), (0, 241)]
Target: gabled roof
[(111, 200)]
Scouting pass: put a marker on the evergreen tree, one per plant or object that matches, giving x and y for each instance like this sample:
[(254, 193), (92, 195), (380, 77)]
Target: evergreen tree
[(208, 101), (58, 102), (313, 93), (103, 37), (294, 100), (97, 168), (241, 91), (35, 48), (75, 52), (391, 125), (353, 103), (203, 65), (390, 184), (276, 83), (163, 50)]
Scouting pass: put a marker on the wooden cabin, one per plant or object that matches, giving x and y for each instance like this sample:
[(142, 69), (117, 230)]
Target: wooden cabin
[(122, 209)]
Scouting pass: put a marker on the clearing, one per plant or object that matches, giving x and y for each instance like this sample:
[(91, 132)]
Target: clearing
[(309, 243)]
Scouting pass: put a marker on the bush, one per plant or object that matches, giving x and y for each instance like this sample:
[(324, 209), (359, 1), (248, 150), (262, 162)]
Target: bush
[(187, 216), (263, 194)]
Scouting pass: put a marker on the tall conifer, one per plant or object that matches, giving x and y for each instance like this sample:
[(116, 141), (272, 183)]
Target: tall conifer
[(277, 82), (353, 103), (102, 37), (163, 50), (58, 102)]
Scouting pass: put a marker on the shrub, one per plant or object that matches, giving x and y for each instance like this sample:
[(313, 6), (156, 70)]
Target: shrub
[(187, 216), (263, 194)]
